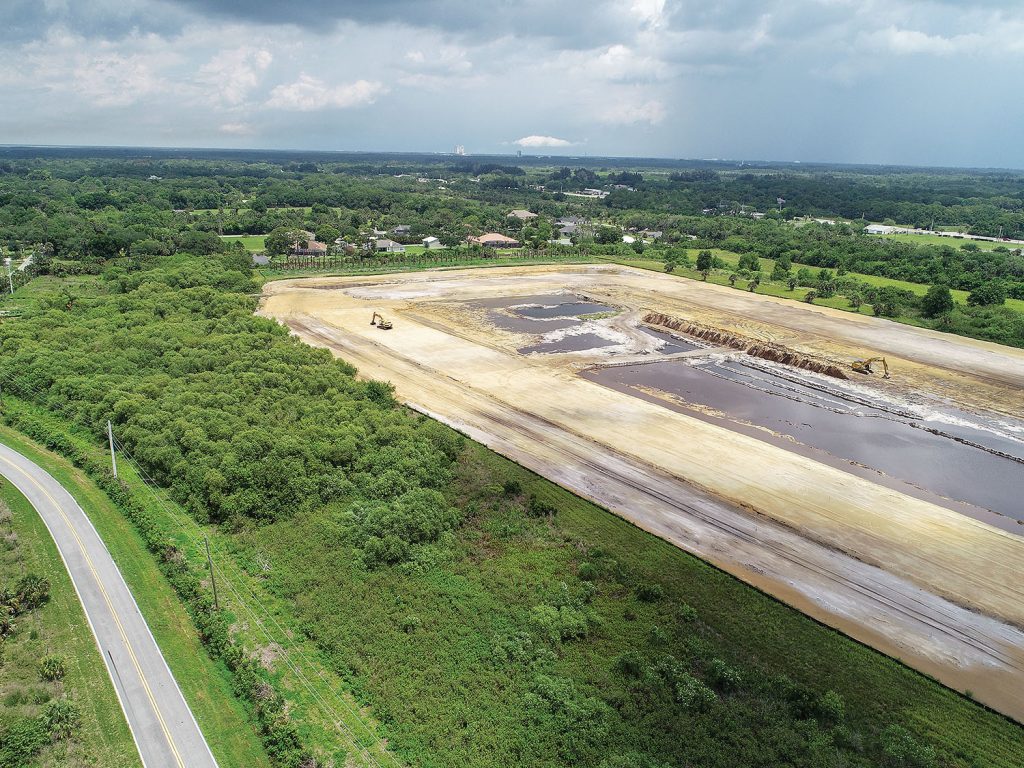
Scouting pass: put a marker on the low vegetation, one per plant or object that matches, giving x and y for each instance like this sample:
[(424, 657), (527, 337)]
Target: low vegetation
[(57, 705)]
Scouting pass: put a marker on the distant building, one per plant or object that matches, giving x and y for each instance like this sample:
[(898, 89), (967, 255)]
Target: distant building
[(757, 215), (628, 239), (431, 242), (401, 230), (307, 245), (879, 229), (522, 215), (384, 245), (651, 234), (493, 240)]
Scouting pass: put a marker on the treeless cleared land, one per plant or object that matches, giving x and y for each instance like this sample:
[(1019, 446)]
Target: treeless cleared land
[(916, 580)]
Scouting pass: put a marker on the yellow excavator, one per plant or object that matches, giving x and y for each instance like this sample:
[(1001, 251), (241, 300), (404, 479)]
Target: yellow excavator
[(864, 366), (380, 322)]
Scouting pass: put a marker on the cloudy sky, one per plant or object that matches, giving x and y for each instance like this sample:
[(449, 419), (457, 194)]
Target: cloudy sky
[(928, 82)]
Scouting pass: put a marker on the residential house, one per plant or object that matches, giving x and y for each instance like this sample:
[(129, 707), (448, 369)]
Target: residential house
[(306, 244), (651, 234), (522, 215), (402, 230), (384, 245), (431, 242), (493, 240)]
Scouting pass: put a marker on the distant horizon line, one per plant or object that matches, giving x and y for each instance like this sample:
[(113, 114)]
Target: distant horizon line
[(513, 156)]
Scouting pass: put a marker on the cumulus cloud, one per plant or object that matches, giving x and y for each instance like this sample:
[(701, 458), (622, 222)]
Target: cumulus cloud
[(308, 94), (236, 129), (912, 41), (651, 112), (231, 75), (534, 142)]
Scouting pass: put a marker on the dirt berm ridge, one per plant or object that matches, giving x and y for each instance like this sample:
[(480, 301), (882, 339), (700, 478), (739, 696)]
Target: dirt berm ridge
[(766, 350)]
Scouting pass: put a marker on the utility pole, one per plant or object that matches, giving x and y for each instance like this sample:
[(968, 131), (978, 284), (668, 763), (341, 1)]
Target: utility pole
[(213, 580), (113, 457)]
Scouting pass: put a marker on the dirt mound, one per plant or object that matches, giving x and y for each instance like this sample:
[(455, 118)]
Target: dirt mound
[(766, 350)]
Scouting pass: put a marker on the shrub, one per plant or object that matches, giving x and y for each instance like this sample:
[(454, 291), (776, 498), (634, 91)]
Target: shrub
[(52, 668), (988, 294), (19, 741), (722, 676), (537, 507), (938, 301), (628, 664), (687, 613), (692, 694), (589, 572), (31, 591), (61, 719), (650, 593), (512, 488), (831, 707), (410, 624), (901, 750)]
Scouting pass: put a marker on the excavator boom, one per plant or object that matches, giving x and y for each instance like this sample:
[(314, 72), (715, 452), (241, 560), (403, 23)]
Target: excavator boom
[(864, 366)]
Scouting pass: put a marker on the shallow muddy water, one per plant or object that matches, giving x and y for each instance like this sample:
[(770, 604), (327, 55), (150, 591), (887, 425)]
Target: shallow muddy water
[(577, 343), (891, 440), (539, 314)]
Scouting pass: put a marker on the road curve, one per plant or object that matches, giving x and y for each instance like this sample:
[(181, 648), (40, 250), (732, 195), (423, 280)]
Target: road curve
[(161, 723)]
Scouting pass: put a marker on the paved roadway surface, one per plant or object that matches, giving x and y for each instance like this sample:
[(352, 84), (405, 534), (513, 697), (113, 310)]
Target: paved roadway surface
[(162, 724)]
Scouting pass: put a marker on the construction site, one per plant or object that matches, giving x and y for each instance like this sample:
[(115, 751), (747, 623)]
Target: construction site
[(865, 472)]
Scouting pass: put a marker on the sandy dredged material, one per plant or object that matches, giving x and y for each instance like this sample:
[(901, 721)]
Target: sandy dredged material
[(934, 587)]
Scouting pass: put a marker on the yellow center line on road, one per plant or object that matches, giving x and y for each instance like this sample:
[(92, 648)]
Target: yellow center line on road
[(113, 613)]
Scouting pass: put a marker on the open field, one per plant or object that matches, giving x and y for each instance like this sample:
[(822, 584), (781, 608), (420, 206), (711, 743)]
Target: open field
[(774, 289), (250, 242), (905, 574), (952, 242)]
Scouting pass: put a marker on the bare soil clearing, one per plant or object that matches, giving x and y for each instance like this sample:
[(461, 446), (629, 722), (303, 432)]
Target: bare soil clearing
[(911, 577)]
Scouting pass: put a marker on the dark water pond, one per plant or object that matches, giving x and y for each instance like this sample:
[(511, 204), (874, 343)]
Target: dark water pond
[(577, 343), (873, 436)]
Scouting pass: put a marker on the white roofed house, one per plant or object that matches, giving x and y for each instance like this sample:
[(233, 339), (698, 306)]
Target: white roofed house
[(384, 245), (879, 229), (432, 242)]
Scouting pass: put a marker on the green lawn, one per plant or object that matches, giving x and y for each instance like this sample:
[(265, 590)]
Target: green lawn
[(952, 242), (205, 684), (732, 259), (250, 242), (57, 628)]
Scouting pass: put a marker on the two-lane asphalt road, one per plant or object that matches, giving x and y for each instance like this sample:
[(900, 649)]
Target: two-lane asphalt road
[(161, 722)]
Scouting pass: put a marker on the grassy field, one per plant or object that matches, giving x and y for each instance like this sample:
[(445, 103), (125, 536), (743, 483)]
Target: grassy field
[(732, 259), (206, 685), (252, 243), (451, 649), (952, 242), (58, 628)]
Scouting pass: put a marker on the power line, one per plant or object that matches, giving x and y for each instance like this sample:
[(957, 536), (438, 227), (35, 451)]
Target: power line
[(149, 483), (335, 716)]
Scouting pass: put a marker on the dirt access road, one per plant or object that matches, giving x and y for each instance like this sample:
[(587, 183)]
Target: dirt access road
[(914, 579)]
